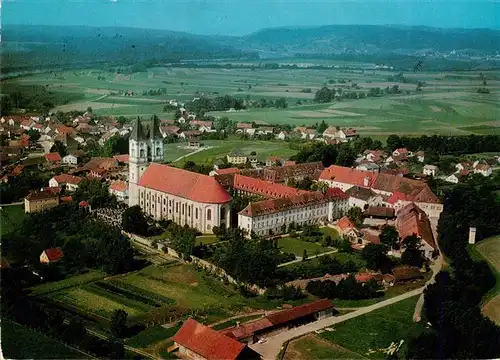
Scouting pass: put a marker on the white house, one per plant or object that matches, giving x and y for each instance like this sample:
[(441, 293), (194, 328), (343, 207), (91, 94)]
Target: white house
[(283, 135), (70, 160), (402, 152), (368, 167), (71, 182), (453, 178), (483, 169), (120, 190), (420, 156), (430, 170)]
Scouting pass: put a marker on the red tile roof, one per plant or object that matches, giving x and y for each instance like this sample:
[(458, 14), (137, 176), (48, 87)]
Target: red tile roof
[(345, 223), (66, 198), (247, 329), (228, 171), (348, 176), (282, 204), (52, 157), (265, 188), (364, 277), (206, 342), (402, 151), (18, 170), (379, 211), (123, 158), (297, 312), (83, 203), (54, 253), (413, 220), (41, 195), (289, 163), (185, 184), (118, 186), (336, 193), (67, 179), (243, 126)]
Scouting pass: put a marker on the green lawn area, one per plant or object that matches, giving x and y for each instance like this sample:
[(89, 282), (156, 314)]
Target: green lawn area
[(10, 217), (312, 347), (72, 281), (151, 335), (374, 331), (297, 246), (329, 231), (19, 342), (206, 239)]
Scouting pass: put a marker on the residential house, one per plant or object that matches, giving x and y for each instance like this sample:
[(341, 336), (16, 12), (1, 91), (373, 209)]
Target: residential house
[(243, 127), (120, 190), (406, 273), (237, 157), (306, 133), (190, 133), (368, 166), (363, 197), (282, 135), (53, 158), (52, 255), (347, 228), (171, 130), (70, 159), (38, 201), (342, 135), (401, 152), (466, 165), (264, 130), (420, 155), (69, 181), (27, 124), (203, 126), (483, 169), (273, 160), (453, 178), (225, 171), (379, 212), (200, 342), (430, 170), (374, 156)]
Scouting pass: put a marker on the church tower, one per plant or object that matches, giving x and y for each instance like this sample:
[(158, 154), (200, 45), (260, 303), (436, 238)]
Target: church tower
[(144, 147)]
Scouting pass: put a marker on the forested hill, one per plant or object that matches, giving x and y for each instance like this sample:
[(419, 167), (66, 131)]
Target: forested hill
[(372, 39), (31, 47)]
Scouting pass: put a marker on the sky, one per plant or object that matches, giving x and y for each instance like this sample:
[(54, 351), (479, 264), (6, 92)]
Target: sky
[(240, 17)]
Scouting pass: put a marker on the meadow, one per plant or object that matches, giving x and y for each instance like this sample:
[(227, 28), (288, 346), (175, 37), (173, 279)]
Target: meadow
[(10, 217), (386, 325), (448, 103)]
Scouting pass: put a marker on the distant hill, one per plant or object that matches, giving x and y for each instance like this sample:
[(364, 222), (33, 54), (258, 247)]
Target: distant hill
[(25, 47), (370, 39)]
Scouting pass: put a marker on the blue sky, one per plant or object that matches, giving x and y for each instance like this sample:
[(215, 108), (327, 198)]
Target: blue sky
[(239, 17)]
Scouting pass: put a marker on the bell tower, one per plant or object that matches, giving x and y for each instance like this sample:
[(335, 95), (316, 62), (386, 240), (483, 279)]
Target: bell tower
[(138, 160)]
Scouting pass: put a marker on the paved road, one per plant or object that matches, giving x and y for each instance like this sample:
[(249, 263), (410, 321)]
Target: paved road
[(270, 349)]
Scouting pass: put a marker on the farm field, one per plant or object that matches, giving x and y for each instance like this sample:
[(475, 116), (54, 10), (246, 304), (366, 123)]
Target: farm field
[(72, 281), (19, 342), (386, 325), (448, 103), (220, 148), (490, 250), (312, 347)]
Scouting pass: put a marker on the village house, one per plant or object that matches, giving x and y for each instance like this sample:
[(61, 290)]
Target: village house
[(483, 169), (70, 182), (306, 133), (282, 135), (273, 160), (346, 227), (53, 158), (379, 212), (430, 170), (411, 220), (225, 171), (272, 216), (264, 130), (342, 135), (119, 188), (195, 341), (237, 157), (363, 197), (52, 255), (401, 152), (38, 201), (70, 159), (203, 126), (420, 155), (244, 128), (368, 166)]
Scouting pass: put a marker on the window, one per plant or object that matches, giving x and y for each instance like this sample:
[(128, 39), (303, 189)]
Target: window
[(222, 213), (164, 201), (209, 214), (158, 151), (176, 207), (141, 153), (189, 210), (196, 214), (183, 208)]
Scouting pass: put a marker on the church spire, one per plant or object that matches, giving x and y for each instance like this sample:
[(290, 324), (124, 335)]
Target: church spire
[(154, 131), (137, 130)]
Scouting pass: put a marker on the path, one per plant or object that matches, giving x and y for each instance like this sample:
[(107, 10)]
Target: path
[(270, 349), (13, 204), (192, 153), (299, 259)]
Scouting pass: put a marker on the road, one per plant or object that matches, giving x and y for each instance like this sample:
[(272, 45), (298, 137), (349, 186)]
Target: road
[(299, 259), (271, 348), (13, 204)]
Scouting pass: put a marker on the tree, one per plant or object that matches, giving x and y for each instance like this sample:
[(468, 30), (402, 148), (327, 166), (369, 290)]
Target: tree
[(95, 192), (389, 235), (375, 256), (119, 323), (412, 254), (322, 127), (324, 95), (346, 156), (393, 142), (60, 148), (134, 221), (34, 135), (355, 214), (304, 255), (280, 103)]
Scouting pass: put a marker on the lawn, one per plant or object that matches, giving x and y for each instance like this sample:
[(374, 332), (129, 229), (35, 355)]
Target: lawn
[(151, 335), (10, 217), (69, 282), (206, 239), (19, 342), (379, 329), (330, 231), (297, 246), (312, 347), (489, 249)]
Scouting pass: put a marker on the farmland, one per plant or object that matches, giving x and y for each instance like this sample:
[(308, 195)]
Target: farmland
[(448, 103)]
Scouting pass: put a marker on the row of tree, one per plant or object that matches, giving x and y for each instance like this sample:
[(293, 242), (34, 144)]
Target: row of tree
[(446, 144), (346, 289)]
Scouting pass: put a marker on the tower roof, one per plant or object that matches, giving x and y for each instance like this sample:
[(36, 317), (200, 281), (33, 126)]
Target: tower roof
[(154, 130), (137, 130)]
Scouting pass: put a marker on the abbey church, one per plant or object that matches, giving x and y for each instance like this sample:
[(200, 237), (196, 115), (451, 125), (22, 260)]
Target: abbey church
[(166, 192)]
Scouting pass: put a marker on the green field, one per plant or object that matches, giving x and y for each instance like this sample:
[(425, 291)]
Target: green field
[(448, 104), (220, 148), (151, 335), (380, 328), (312, 347), (72, 281), (19, 342), (489, 249), (297, 247), (10, 217)]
